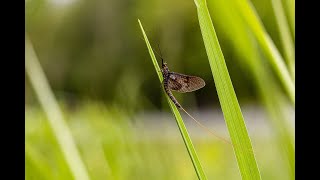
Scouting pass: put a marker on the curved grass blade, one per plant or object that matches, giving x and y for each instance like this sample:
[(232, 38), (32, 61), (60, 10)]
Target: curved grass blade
[(274, 57), (285, 36), (228, 100), (59, 127), (183, 130)]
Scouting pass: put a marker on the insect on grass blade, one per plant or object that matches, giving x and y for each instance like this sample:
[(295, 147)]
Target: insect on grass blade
[(182, 83), (179, 82)]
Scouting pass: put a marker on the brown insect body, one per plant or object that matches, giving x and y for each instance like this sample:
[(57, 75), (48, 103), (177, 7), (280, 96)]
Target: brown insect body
[(179, 82)]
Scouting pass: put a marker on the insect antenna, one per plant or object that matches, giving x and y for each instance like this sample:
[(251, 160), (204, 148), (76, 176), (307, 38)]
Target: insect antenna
[(159, 54)]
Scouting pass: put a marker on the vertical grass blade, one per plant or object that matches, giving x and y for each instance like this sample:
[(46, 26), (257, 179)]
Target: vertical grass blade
[(289, 6), (233, 27), (183, 130), (285, 36), (228, 100), (48, 102), (267, 45)]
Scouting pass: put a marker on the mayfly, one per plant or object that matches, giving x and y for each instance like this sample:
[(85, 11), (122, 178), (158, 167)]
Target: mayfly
[(179, 82), (182, 83)]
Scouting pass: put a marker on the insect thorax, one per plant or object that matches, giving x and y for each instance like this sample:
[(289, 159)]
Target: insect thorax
[(165, 70)]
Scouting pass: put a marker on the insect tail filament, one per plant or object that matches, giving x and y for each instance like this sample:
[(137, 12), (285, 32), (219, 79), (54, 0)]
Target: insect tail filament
[(204, 127), (208, 130)]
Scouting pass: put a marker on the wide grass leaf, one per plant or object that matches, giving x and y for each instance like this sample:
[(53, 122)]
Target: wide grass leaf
[(231, 110)]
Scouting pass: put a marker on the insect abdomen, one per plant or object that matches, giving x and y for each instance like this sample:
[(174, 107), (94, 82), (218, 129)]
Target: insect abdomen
[(166, 88)]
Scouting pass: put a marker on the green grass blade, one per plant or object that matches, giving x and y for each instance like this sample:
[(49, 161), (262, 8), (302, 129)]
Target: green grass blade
[(183, 130), (57, 123), (285, 36), (267, 45), (228, 100), (235, 29), (289, 6), (35, 159)]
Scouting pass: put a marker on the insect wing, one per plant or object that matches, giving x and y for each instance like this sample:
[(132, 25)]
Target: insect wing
[(184, 83)]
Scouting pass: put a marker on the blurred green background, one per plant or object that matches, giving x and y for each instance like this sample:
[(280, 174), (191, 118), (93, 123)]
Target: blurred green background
[(99, 69)]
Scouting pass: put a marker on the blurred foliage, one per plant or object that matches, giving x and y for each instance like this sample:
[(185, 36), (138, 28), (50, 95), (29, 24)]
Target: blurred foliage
[(96, 62), (113, 147), (92, 49)]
